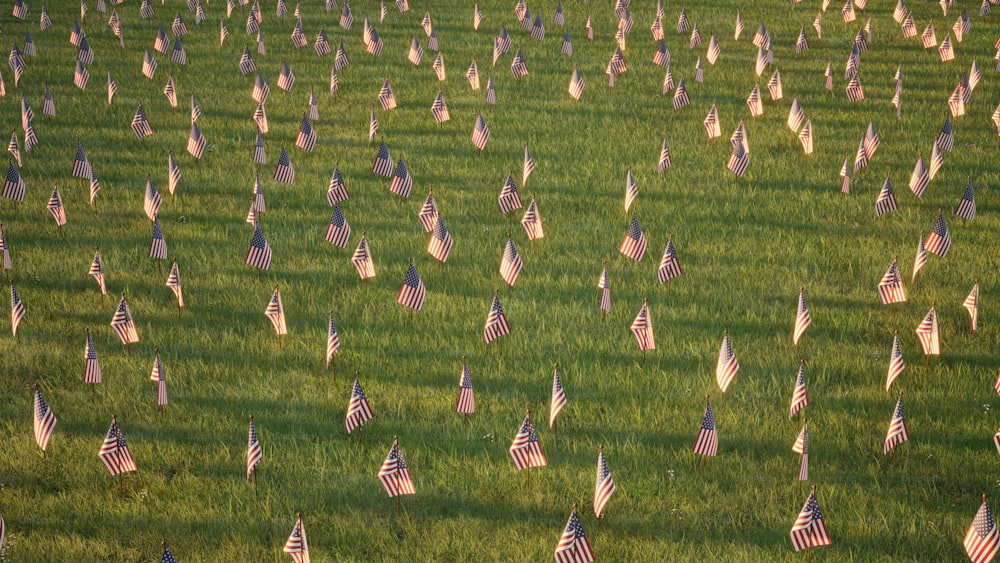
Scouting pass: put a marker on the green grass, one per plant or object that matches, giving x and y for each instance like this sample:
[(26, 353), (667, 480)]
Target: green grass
[(746, 246)]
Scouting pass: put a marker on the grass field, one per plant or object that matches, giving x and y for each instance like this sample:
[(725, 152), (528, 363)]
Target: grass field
[(746, 246)]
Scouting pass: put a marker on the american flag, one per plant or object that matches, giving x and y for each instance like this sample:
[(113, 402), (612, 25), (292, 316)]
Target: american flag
[(466, 400), (900, 12), (712, 55), (438, 67), (358, 409), (167, 557), (178, 55), (174, 283), (151, 200), (896, 364), (428, 213), (886, 200), (284, 172), (395, 474), (634, 243), (761, 62), (275, 313), (971, 304), (661, 56), (13, 148), (85, 55), (855, 90), (927, 332), (849, 15), (529, 165), (682, 22), (642, 329), (801, 44), (146, 10), (373, 43), (157, 246), (403, 6), (509, 198), (112, 87), (799, 396), (517, 66), (259, 253), (946, 51), (664, 161), (298, 36), (480, 133), (496, 321), (412, 291), (967, 205), (44, 420), (286, 79), (946, 138), (616, 65), (247, 64), (938, 240), (259, 156), (160, 377), (520, 9), (123, 323), (260, 118), (558, 400), (956, 103), (473, 75), (510, 263), (338, 231), (974, 75), (20, 11), (253, 23), (681, 98), (573, 545), (605, 286), (891, 289), (739, 160), (706, 442), (477, 17), (416, 51), (656, 28), (334, 81), (81, 76), (383, 162), (532, 221), (738, 30), (179, 28), (538, 29), (114, 452), (809, 529), (296, 545), (567, 45), (801, 446), (30, 138), (982, 541), (173, 173), (921, 257), (897, 433), (346, 18), (525, 19), (372, 131), (441, 242), (140, 125), (340, 60), (712, 126), (727, 365), (576, 84), (5, 249), (306, 138), (13, 186), (258, 204), (774, 87), (332, 341), (962, 25), (401, 182), (806, 137), (92, 369), (148, 65), (631, 190), (605, 486), (362, 259), (937, 161), (223, 32), (525, 450), (321, 45), (55, 206), (802, 318), (670, 267)]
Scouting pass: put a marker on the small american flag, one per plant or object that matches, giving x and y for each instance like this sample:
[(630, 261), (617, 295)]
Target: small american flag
[(896, 364), (567, 45), (441, 242), (806, 137), (480, 133), (296, 545), (173, 173), (401, 182), (178, 27), (20, 11), (258, 204), (428, 213), (501, 43), (5, 248), (809, 529), (13, 187), (174, 283), (971, 304), (642, 329), (886, 200), (167, 557), (927, 332), (509, 199), (605, 487), (529, 165), (45, 23), (538, 29), (112, 87), (956, 102), (30, 138), (799, 396), (372, 41), (466, 400), (616, 65), (259, 253), (802, 318), (44, 420), (114, 452), (92, 368), (55, 206), (477, 17), (247, 64), (298, 36), (358, 409), (738, 30), (855, 90), (383, 162), (897, 433), (284, 172), (982, 541), (439, 109), (558, 400), (223, 32), (395, 474), (532, 221), (695, 40), (937, 161), (664, 161), (438, 67), (140, 125), (517, 66), (178, 55), (332, 341), (160, 377), (306, 138), (712, 55), (890, 288), (712, 127), (605, 286), (510, 263), (939, 240), (525, 450), (634, 243), (362, 260), (774, 87), (656, 28), (576, 84), (123, 324), (151, 201), (338, 231), (157, 246), (739, 160), (14, 149), (259, 156), (682, 22), (631, 190), (801, 446), (321, 45), (670, 267), (496, 321), (286, 79), (795, 115), (275, 313), (801, 44), (946, 138), (967, 205), (921, 257), (473, 75), (416, 52), (727, 365), (148, 65), (412, 291), (681, 98), (525, 19), (146, 10), (706, 442), (80, 76), (573, 546)]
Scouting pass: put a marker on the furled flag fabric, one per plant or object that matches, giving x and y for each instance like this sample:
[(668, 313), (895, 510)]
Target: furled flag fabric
[(605, 486), (809, 529), (275, 313), (259, 253), (573, 547), (157, 246), (115, 453), (897, 433), (438, 67), (395, 474), (358, 409), (148, 65), (332, 341), (971, 304), (774, 86), (510, 263), (806, 137), (802, 318), (525, 450), (664, 161), (661, 57), (151, 200), (706, 442), (939, 240), (896, 364), (362, 259), (982, 541), (92, 368), (174, 283), (496, 321), (477, 17), (670, 267), (473, 75), (338, 231), (532, 221), (123, 323), (634, 243), (518, 68), (412, 291), (886, 200), (480, 133), (13, 149), (927, 332), (160, 377), (558, 400), (801, 446), (967, 205), (17, 310), (800, 398), (296, 545), (921, 257), (605, 286), (727, 365), (254, 452), (55, 206), (631, 190), (891, 289), (937, 161), (642, 328), (920, 178), (576, 84), (44, 421), (284, 171), (401, 182), (466, 400), (712, 126)]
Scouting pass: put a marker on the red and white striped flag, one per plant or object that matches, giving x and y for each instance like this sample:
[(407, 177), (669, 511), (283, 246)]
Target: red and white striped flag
[(92, 368), (525, 450), (395, 474), (809, 529), (358, 409), (275, 312), (160, 377), (44, 423), (706, 442), (927, 332), (642, 328), (727, 366), (466, 400), (174, 283)]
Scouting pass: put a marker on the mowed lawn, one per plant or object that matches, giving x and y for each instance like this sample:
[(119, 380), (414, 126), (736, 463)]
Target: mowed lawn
[(746, 246)]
